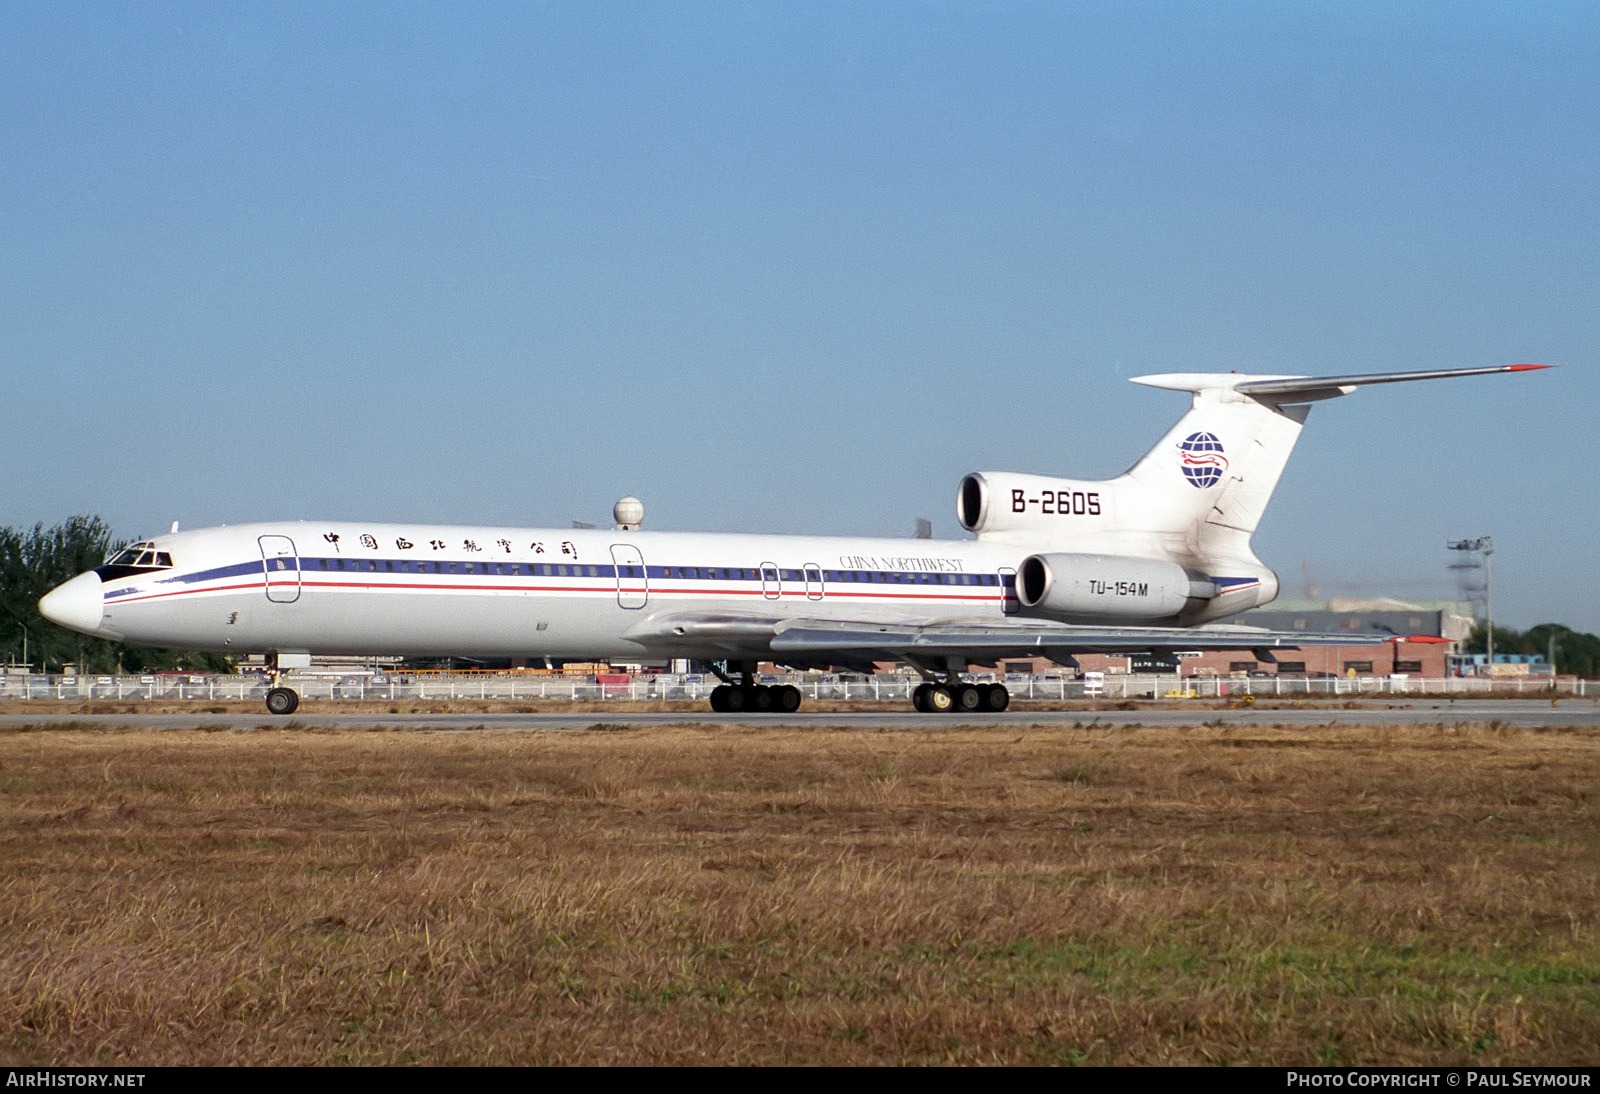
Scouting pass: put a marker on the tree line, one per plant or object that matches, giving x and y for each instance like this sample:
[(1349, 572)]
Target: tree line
[(1576, 652), (34, 561)]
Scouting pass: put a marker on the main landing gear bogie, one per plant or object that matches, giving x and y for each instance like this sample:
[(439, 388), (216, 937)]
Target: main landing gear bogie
[(755, 698), (960, 698)]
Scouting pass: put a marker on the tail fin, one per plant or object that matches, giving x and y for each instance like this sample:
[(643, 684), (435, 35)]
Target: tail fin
[(1201, 491), (1210, 477), (1196, 497), (1193, 500)]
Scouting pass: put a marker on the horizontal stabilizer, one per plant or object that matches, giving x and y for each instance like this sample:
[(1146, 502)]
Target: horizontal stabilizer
[(1295, 389)]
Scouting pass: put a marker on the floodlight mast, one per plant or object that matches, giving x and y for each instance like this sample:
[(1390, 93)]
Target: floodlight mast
[(1483, 545)]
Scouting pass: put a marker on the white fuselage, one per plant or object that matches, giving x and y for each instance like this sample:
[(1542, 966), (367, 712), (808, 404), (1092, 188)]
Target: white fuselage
[(502, 592), (418, 590)]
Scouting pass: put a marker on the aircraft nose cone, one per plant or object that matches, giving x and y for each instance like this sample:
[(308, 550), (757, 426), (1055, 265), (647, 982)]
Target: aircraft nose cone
[(77, 605)]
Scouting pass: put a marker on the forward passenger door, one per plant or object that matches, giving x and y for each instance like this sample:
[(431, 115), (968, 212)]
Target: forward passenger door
[(280, 566)]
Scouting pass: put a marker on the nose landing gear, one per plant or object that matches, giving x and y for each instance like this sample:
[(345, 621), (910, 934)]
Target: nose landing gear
[(281, 700)]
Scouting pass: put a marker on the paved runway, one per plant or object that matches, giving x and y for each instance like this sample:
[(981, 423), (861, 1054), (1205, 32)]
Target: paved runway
[(1570, 713)]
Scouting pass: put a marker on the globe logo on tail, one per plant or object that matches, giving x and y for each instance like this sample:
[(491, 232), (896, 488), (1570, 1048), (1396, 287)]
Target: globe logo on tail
[(1203, 461)]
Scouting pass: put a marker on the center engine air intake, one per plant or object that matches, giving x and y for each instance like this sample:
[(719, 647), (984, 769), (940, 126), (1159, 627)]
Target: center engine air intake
[(1004, 501), (1104, 588)]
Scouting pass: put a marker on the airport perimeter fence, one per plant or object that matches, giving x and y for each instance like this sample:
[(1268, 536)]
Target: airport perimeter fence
[(884, 688)]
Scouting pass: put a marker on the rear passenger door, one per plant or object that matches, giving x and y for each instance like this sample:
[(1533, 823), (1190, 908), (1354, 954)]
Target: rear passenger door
[(633, 582)]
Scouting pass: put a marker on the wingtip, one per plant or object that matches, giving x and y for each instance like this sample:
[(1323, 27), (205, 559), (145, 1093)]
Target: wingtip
[(1526, 368)]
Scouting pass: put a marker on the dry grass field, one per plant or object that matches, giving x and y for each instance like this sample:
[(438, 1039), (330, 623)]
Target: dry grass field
[(695, 894)]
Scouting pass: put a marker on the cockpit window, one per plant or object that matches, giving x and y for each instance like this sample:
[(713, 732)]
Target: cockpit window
[(129, 555), (135, 558)]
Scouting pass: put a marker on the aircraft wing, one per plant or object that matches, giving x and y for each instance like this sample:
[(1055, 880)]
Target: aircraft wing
[(1056, 642), (822, 641)]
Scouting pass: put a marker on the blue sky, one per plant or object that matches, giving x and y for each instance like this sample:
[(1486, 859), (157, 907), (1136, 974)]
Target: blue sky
[(798, 267)]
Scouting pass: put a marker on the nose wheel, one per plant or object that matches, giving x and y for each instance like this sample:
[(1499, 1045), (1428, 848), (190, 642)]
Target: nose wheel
[(282, 701)]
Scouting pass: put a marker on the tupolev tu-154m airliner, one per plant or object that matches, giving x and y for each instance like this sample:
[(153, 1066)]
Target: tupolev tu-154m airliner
[(1145, 562)]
